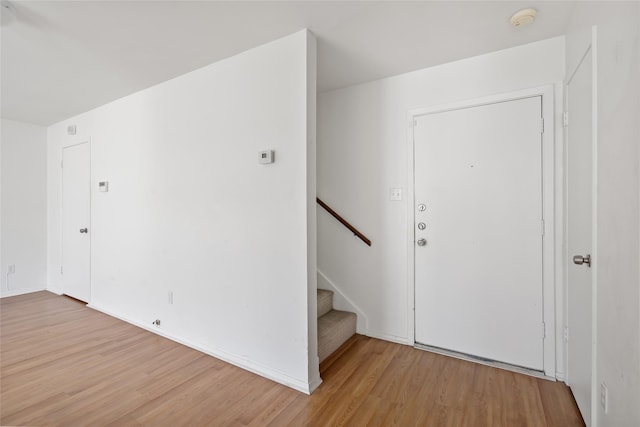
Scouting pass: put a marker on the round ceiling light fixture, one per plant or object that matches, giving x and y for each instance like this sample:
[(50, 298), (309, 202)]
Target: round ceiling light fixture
[(523, 17)]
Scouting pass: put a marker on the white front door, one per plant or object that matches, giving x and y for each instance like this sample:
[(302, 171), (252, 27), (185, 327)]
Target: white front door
[(76, 229), (478, 207), (579, 223)]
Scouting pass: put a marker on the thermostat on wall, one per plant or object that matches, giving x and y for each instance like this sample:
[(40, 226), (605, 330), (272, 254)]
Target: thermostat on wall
[(265, 157), (103, 186)]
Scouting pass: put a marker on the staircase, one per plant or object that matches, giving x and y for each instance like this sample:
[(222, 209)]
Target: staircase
[(334, 327)]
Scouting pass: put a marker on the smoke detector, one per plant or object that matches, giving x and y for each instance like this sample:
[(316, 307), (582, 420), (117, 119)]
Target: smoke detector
[(523, 17)]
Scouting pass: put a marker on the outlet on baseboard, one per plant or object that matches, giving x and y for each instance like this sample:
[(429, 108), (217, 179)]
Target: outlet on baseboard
[(604, 397)]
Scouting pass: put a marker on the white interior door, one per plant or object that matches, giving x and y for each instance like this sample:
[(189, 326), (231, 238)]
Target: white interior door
[(478, 278), (76, 230), (579, 223)]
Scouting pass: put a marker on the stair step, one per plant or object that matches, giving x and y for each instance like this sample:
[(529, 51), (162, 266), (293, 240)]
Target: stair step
[(325, 302), (334, 329)]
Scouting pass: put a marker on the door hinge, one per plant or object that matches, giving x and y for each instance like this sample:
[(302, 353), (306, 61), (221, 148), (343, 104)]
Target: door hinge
[(61, 163), (566, 333), (541, 124), (544, 330), (542, 223), (565, 119)]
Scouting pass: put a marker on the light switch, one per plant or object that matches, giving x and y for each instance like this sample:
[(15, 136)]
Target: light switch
[(265, 157), (103, 186), (395, 194)]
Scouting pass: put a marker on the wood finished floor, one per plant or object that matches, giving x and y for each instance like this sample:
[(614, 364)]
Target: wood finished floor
[(65, 364)]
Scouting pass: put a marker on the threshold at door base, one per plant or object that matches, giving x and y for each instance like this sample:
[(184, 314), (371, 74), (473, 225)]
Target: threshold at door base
[(483, 361)]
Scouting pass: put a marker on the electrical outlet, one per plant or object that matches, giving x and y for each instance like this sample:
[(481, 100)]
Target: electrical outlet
[(604, 397), (395, 194), (156, 322), (12, 269)]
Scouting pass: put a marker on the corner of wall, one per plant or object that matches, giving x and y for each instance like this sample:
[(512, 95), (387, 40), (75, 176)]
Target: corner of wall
[(312, 241)]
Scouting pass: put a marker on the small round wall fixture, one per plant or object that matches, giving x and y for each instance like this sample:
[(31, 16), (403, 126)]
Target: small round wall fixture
[(523, 17)]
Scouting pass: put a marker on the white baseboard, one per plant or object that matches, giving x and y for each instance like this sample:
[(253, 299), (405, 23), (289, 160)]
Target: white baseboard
[(314, 384), (55, 290), (17, 292), (241, 362), (391, 338)]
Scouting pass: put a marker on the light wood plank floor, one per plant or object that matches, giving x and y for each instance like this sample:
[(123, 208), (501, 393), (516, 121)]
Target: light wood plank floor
[(65, 364)]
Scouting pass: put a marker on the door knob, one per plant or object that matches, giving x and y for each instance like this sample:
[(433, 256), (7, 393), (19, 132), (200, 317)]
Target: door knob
[(421, 242), (84, 230), (579, 260)]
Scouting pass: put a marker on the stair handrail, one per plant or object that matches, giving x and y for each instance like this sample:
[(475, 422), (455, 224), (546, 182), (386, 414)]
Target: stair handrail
[(344, 222)]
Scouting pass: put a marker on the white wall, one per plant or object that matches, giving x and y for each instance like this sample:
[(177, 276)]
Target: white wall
[(618, 349), (23, 209), (618, 203), (190, 211), (362, 153)]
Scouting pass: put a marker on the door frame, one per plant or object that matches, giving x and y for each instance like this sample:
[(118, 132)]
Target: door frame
[(77, 142), (549, 273)]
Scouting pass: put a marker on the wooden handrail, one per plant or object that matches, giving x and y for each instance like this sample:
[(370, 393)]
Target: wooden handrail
[(344, 222)]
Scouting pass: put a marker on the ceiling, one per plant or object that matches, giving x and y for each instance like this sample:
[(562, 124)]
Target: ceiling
[(61, 58)]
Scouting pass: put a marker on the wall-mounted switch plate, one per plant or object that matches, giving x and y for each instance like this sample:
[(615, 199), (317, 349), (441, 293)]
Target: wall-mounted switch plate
[(265, 157), (103, 186)]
